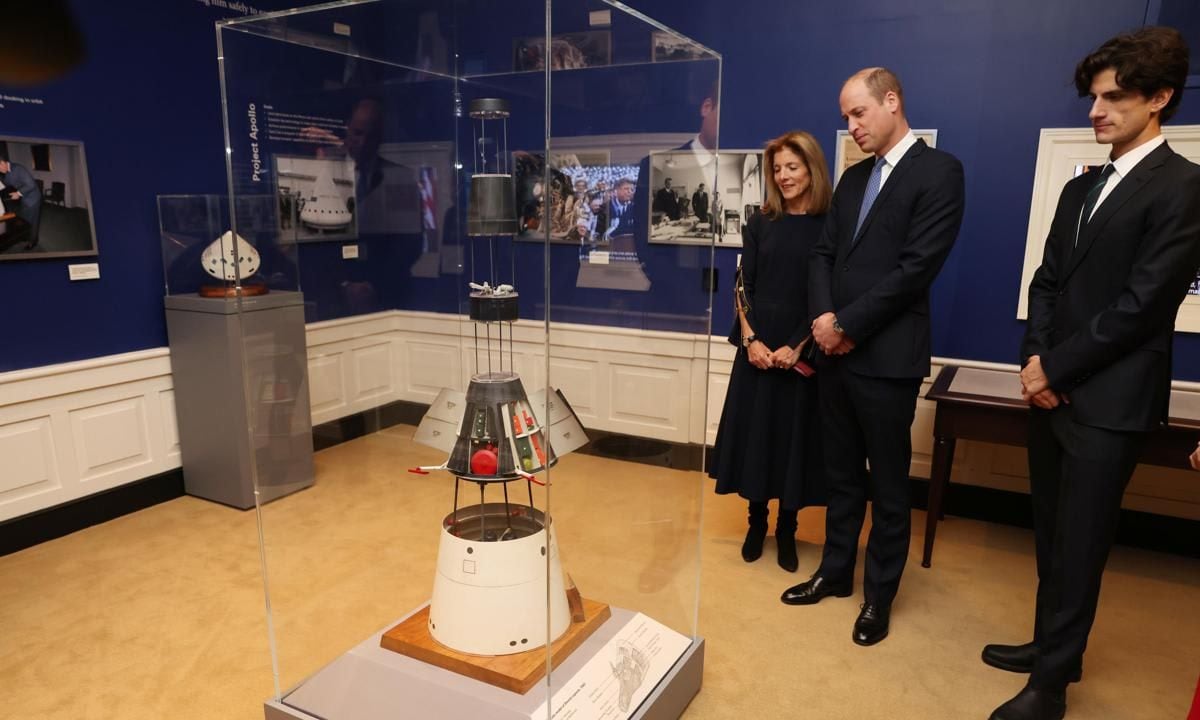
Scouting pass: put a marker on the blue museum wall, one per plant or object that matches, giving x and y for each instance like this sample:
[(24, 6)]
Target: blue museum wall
[(986, 75)]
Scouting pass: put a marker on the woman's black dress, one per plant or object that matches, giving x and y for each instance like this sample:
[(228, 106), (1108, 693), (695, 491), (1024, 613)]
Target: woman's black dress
[(768, 445)]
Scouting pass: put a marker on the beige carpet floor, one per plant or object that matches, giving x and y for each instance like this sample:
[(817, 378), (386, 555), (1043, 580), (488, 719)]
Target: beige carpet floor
[(161, 614)]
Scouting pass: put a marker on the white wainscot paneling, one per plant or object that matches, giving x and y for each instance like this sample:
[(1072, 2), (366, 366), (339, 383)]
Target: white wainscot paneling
[(649, 399), (27, 458), (110, 437), (373, 373), (170, 427), (578, 380), (431, 367), (326, 386)]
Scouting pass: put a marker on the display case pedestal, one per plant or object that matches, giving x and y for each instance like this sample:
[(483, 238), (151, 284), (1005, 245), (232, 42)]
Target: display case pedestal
[(241, 390)]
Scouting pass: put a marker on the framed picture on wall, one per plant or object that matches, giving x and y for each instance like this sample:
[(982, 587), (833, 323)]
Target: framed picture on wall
[(315, 198), (568, 51), (45, 200), (848, 153), (694, 196), (583, 184), (669, 47), (1064, 153)]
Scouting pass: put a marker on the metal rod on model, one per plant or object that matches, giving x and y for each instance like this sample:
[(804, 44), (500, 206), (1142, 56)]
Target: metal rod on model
[(482, 515), (530, 484), (454, 514), (507, 511)]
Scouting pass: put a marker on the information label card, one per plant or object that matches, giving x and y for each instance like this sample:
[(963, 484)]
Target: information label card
[(615, 681)]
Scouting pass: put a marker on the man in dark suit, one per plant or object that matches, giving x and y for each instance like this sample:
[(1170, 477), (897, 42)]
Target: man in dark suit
[(666, 202), (700, 204), (1121, 253), (621, 220), (894, 218), (21, 188)]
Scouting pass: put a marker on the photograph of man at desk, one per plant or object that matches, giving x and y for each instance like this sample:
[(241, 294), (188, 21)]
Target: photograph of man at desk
[(45, 204), (695, 193)]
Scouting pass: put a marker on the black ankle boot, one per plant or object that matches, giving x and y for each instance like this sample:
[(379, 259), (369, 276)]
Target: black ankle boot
[(785, 540), (753, 546)]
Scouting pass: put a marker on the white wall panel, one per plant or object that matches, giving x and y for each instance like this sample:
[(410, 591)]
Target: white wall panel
[(326, 386), (27, 458), (373, 373), (110, 436)]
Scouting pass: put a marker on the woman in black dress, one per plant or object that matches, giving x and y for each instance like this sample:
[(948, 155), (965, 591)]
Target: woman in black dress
[(767, 442)]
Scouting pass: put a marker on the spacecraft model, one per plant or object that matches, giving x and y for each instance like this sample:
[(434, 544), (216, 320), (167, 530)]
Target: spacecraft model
[(325, 208), (489, 594), (233, 260)]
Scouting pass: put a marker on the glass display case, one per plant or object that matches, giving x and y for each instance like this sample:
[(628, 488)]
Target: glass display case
[(508, 379)]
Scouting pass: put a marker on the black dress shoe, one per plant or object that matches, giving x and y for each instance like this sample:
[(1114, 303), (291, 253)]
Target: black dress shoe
[(1033, 704), (871, 625), (813, 590), (1018, 659)]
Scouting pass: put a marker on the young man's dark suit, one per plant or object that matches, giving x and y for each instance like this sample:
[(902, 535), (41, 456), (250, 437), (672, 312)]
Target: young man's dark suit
[(1101, 317), (878, 286)]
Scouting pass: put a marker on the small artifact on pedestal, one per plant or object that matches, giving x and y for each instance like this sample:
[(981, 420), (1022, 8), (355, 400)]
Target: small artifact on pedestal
[(233, 260)]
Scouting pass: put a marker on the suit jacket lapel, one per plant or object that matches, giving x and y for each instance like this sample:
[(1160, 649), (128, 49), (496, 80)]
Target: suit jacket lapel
[(1127, 188), (894, 178)]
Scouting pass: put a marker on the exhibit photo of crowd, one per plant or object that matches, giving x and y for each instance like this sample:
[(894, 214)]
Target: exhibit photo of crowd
[(590, 201)]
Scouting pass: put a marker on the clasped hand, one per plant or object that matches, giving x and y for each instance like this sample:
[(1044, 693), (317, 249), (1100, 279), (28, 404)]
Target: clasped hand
[(1035, 386), (764, 358), (829, 340)]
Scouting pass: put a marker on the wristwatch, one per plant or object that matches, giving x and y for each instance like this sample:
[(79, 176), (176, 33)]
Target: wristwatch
[(748, 339), (837, 327)]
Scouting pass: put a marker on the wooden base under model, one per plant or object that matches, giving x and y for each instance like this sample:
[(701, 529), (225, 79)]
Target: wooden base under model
[(228, 291), (516, 673)]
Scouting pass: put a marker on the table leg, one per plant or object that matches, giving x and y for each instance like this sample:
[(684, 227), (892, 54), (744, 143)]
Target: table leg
[(939, 478)]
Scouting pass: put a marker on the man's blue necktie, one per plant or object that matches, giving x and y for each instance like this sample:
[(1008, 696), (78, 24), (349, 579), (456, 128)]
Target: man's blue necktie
[(873, 184)]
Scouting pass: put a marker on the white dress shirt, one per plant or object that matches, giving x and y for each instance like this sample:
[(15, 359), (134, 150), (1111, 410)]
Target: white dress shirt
[(1123, 165), (893, 156)]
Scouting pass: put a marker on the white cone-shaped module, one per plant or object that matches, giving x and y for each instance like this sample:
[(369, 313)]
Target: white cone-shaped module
[(489, 594), (325, 208)]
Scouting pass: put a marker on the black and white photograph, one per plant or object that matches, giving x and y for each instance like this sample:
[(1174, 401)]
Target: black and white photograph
[(568, 51), (45, 200), (589, 197), (696, 196), (667, 47), (316, 199)]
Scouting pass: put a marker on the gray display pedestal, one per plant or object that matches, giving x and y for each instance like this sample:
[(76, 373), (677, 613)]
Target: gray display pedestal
[(371, 683), (241, 395)]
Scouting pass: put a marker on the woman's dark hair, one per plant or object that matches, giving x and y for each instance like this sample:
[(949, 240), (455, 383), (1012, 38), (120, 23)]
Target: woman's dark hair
[(1146, 60)]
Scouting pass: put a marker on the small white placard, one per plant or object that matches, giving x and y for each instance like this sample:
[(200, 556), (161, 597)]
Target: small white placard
[(349, 252), (600, 18), (615, 681), (598, 257), (341, 29), (84, 271)]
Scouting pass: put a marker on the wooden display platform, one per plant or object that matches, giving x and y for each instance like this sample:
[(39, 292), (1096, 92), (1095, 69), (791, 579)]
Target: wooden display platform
[(515, 673)]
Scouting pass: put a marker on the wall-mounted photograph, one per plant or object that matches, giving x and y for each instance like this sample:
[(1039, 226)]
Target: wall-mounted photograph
[(696, 196), (668, 47), (849, 153), (588, 195), (568, 51), (45, 200), (316, 199)]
